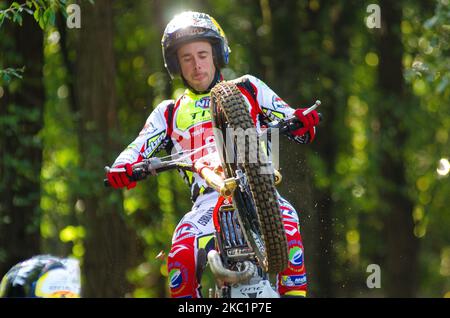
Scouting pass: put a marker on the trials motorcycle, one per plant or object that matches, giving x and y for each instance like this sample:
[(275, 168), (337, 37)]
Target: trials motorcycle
[(250, 241)]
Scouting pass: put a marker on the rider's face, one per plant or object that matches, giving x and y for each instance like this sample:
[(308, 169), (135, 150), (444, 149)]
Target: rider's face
[(197, 65)]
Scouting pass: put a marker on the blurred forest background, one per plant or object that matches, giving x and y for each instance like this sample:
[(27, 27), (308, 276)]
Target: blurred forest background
[(372, 189)]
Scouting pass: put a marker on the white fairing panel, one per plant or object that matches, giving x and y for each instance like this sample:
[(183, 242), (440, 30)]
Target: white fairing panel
[(259, 290)]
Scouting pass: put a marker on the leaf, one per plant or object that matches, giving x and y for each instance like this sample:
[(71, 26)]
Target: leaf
[(46, 16), (41, 23), (52, 17), (17, 18), (36, 14), (15, 5), (6, 77)]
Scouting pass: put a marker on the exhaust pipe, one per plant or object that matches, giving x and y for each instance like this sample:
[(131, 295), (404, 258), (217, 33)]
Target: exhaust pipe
[(226, 275)]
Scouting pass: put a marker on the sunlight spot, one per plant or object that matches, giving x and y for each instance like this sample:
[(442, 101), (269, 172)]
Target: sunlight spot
[(443, 167), (63, 92), (423, 183), (54, 37), (420, 230), (352, 237), (371, 59)]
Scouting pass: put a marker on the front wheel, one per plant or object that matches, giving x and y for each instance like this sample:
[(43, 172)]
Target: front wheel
[(256, 201)]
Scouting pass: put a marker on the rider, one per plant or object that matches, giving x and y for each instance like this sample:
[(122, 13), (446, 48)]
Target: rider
[(43, 276), (194, 47)]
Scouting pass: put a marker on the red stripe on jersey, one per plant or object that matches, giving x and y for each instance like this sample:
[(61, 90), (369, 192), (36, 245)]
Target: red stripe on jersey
[(255, 109), (166, 116)]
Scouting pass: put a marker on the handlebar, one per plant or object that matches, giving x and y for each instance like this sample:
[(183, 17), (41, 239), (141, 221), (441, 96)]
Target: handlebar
[(155, 165), (288, 125), (151, 166)]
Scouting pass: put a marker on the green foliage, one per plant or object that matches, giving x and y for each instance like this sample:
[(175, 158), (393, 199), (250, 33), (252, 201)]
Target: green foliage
[(347, 86), (43, 11), (427, 72), (8, 73)]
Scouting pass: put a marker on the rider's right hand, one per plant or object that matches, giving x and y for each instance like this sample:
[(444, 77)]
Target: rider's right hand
[(120, 179)]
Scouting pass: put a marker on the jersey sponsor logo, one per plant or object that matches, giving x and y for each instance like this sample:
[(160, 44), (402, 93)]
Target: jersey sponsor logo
[(290, 229), (200, 115), (270, 113), (203, 102), (296, 256), (152, 144), (148, 128), (176, 249), (289, 215), (294, 280), (176, 278), (277, 102), (206, 217), (186, 230)]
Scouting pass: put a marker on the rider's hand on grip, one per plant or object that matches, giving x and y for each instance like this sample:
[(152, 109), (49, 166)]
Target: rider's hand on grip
[(121, 179), (309, 121)]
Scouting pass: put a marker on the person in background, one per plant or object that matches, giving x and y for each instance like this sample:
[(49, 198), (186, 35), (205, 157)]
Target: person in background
[(43, 276)]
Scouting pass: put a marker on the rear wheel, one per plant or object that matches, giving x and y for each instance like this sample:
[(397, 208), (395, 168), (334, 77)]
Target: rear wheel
[(256, 201)]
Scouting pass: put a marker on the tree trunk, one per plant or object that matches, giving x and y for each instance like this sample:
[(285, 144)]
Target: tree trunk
[(330, 133), (402, 245), (297, 180), (109, 243), (157, 20), (21, 111)]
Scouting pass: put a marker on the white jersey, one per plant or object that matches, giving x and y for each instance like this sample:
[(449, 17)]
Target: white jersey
[(185, 124)]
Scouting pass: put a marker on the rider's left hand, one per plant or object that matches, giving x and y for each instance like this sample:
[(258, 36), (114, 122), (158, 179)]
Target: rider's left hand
[(309, 122)]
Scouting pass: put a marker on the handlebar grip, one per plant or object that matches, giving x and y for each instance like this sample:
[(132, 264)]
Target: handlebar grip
[(106, 181), (295, 123), (138, 174), (132, 178)]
